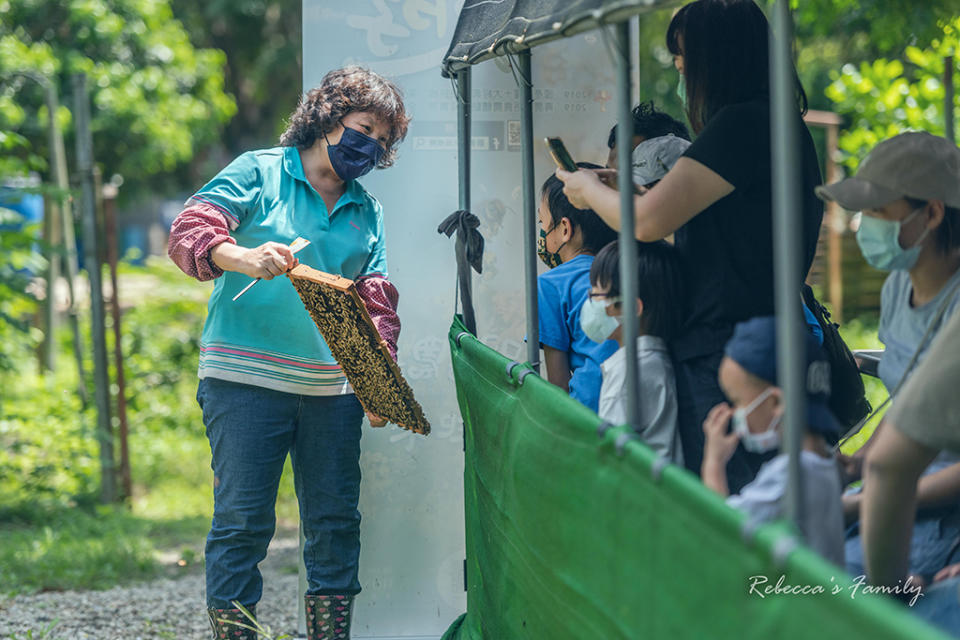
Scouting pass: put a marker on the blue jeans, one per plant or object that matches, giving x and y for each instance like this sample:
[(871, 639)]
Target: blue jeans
[(932, 545), (940, 606), (251, 429)]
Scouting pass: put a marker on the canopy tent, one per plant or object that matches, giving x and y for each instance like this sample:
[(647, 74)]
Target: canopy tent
[(489, 29)]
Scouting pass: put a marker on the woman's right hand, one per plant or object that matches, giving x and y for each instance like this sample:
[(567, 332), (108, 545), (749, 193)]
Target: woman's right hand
[(577, 186), (267, 261), (608, 177)]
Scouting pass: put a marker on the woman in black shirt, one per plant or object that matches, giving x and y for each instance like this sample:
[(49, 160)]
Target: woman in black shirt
[(717, 201)]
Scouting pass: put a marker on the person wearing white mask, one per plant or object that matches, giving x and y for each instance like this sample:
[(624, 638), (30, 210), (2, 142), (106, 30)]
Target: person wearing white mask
[(908, 192), (748, 377), (659, 292)]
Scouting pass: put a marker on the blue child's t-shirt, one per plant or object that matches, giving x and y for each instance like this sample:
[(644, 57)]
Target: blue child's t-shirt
[(560, 294)]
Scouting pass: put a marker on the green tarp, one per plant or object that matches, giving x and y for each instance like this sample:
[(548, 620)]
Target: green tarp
[(571, 536)]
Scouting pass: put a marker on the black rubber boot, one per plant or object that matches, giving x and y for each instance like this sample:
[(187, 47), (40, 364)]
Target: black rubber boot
[(328, 617), (226, 624)]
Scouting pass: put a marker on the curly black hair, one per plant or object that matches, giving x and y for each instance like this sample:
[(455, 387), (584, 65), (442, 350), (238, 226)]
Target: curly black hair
[(343, 91)]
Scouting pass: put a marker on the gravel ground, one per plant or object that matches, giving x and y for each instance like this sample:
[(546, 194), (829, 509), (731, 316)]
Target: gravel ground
[(164, 609)]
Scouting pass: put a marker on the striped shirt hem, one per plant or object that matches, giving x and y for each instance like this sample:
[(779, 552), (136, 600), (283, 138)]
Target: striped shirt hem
[(271, 370)]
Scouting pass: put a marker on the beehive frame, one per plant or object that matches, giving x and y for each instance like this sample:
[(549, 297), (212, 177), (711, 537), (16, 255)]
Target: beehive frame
[(343, 321)]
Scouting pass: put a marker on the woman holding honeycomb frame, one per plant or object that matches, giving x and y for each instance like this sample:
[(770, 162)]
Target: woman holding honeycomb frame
[(269, 385)]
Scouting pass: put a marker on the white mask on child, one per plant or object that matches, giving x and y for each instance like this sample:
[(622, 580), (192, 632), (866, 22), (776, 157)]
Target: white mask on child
[(594, 319), (764, 441)]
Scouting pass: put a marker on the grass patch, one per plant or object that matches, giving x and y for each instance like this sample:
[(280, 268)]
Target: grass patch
[(74, 548)]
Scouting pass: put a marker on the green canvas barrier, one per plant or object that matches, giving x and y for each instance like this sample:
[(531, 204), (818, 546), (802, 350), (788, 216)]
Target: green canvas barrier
[(569, 535)]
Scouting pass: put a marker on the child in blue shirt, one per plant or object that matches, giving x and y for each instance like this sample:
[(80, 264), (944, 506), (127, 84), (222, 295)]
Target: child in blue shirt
[(569, 239)]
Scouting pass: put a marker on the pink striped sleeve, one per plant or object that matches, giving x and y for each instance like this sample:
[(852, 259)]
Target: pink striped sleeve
[(195, 231), (380, 298)]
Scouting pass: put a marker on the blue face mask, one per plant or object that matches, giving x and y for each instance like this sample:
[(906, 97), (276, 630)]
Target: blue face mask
[(594, 319), (879, 242), (355, 155), (682, 90)]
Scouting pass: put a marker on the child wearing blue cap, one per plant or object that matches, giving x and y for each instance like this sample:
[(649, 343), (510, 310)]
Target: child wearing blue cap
[(748, 377)]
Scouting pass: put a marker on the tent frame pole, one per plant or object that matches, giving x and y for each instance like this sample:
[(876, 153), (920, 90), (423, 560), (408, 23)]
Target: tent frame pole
[(628, 245), (464, 142), (529, 209), (787, 236), (463, 135)]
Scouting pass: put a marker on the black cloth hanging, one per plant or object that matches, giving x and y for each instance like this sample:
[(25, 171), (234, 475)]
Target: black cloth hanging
[(469, 251)]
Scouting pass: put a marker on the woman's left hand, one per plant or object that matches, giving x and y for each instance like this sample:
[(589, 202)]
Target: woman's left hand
[(577, 186), (375, 420)]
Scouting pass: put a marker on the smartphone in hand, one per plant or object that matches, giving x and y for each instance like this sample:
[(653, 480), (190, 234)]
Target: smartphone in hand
[(560, 154)]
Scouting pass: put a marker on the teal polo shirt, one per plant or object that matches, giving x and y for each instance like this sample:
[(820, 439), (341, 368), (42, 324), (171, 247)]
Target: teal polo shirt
[(267, 338)]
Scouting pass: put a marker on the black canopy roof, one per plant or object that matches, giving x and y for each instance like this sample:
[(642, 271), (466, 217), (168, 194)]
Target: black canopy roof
[(490, 28)]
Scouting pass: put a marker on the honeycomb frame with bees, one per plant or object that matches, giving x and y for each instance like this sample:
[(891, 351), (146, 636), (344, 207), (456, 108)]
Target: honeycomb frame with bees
[(343, 321)]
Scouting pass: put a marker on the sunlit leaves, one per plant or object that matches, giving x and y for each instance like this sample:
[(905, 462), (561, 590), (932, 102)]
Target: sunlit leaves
[(885, 97), (155, 99)]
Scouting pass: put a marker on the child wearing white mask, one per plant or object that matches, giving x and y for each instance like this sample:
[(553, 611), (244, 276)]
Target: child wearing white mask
[(657, 307), (908, 192), (748, 377)]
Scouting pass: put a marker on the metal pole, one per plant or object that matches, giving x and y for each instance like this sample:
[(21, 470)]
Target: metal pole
[(52, 231), (110, 222), (465, 277), (301, 585), (58, 156), (787, 235), (98, 329), (48, 360), (948, 92), (835, 224), (628, 242), (529, 209), (464, 87)]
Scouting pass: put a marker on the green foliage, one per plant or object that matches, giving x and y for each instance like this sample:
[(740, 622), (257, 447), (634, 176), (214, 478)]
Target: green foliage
[(658, 77), (17, 338), (261, 40), (156, 99), (887, 96), (873, 28), (55, 534)]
